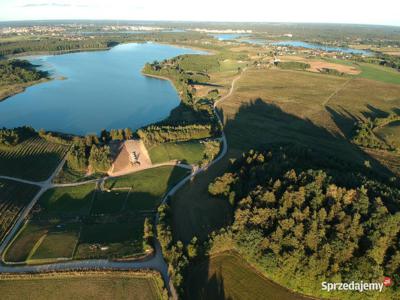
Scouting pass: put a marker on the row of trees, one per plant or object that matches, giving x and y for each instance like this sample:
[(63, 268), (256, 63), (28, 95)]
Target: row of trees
[(365, 136), (12, 137), (88, 151), (176, 254), (155, 134), (301, 227)]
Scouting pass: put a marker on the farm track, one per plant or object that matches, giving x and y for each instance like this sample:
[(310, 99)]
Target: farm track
[(156, 262)]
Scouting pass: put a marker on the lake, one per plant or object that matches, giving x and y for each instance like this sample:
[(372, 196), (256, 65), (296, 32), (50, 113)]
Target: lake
[(321, 47), (241, 38), (102, 90), (228, 36)]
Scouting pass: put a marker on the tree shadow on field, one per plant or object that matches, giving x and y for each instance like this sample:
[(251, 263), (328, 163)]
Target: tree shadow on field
[(201, 286), (258, 125)]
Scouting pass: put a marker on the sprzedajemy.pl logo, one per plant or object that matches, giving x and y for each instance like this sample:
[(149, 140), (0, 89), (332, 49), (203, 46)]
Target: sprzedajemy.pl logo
[(358, 286)]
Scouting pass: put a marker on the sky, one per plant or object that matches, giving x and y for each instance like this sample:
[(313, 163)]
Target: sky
[(384, 12)]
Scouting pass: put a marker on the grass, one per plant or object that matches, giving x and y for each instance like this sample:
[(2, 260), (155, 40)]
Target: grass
[(33, 159), (85, 285), (20, 248), (390, 133), (110, 220), (68, 200), (14, 196), (109, 202), (10, 90), (68, 175), (227, 276), (122, 239), (59, 244), (379, 73), (188, 152), (148, 186), (283, 106), (194, 212)]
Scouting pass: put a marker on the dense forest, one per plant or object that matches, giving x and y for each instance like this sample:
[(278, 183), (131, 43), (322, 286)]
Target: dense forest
[(89, 151), (302, 224), (12, 137), (18, 71)]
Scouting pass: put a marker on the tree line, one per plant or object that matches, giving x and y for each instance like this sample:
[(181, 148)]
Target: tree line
[(303, 226), (19, 71)]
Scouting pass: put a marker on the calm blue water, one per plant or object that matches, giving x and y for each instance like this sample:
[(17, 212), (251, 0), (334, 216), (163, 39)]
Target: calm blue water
[(103, 89), (322, 47), (306, 45)]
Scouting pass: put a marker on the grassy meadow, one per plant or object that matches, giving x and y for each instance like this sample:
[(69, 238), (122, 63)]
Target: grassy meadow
[(390, 133), (85, 285), (147, 186), (84, 222), (187, 152), (34, 159), (379, 73), (228, 276), (272, 106), (75, 200)]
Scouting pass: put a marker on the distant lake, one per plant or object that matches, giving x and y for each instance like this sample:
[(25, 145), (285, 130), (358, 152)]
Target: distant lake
[(242, 38), (321, 47), (228, 36), (102, 89)]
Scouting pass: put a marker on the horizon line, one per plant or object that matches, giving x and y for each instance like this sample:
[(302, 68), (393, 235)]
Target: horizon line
[(202, 21)]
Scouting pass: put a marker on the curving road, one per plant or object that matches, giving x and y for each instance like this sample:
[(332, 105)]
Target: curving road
[(156, 262)]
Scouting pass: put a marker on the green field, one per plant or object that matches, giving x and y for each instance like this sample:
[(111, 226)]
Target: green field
[(228, 276), (390, 133), (187, 152), (283, 106), (194, 212), (122, 239), (85, 285), (109, 202), (379, 73), (33, 159), (68, 200), (20, 248), (110, 224), (148, 186), (58, 244), (14, 196)]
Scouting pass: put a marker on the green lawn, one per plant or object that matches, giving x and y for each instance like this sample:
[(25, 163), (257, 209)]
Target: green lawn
[(33, 159), (227, 276), (68, 200), (121, 239), (109, 202), (188, 152), (58, 244), (379, 73), (85, 285), (26, 239), (148, 186), (109, 219)]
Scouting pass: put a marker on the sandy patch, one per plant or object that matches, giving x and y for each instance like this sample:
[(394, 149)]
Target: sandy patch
[(316, 66), (123, 162)]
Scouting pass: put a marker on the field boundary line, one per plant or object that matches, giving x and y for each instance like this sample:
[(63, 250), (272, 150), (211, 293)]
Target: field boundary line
[(337, 91)]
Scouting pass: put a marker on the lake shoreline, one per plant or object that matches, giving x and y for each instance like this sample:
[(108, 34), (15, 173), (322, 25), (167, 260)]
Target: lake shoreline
[(70, 120)]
